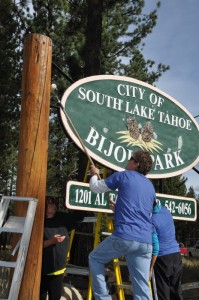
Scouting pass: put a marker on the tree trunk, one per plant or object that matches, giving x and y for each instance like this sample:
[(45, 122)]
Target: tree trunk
[(93, 37), (92, 59)]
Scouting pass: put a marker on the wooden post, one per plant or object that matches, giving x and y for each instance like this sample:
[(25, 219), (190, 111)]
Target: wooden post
[(33, 150)]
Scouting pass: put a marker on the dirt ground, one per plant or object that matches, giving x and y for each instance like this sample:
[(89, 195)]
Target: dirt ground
[(191, 294), (191, 291)]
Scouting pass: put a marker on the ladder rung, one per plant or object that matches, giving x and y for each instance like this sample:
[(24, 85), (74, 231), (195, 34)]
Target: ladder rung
[(14, 224), (16, 198), (89, 219), (84, 233), (120, 263), (106, 233), (8, 264), (77, 270), (126, 286)]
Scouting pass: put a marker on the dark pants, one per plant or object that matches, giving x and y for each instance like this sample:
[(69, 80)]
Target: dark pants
[(168, 273), (51, 285)]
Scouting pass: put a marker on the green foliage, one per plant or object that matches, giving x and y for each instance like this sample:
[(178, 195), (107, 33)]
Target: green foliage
[(188, 231), (171, 186), (10, 86), (62, 161)]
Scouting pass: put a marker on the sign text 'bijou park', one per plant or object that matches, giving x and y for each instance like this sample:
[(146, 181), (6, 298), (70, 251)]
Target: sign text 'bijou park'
[(79, 196), (116, 115)]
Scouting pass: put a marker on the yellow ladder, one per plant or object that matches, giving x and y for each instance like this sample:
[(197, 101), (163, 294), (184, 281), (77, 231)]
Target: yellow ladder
[(116, 265), (72, 233), (98, 227)]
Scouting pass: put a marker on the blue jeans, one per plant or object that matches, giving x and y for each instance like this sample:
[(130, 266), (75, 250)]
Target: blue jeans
[(138, 258)]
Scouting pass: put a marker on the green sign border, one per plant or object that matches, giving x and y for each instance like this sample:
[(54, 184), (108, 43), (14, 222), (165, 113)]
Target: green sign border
[(79, 198)]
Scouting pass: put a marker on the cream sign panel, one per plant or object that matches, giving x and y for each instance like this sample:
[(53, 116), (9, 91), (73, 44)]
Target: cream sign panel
[(115, 116)]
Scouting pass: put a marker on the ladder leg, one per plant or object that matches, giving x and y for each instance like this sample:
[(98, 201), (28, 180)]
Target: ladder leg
[(96, 242), (89, 294), (70, 245), (118, 276)]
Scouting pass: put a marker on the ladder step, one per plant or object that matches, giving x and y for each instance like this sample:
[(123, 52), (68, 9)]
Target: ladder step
[(84, 233), (8, 264), (120, 263), (89, 219), (106, 233), (76, 270), (13, 224), (126, 286)]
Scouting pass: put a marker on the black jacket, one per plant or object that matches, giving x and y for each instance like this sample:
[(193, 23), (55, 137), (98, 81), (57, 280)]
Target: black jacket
[(54, 257)]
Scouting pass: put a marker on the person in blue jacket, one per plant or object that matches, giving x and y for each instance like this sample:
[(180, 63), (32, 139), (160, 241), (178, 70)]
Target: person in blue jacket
[(132, 235), (166, 257)]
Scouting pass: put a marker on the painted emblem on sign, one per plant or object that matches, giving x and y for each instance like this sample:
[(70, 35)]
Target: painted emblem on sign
[(140, 136)]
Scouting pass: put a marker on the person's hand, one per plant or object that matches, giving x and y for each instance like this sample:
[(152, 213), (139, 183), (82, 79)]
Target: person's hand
[(112, 204), (58, 238), (94, 170)]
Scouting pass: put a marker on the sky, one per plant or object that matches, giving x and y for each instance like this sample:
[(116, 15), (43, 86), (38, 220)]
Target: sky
[(174, 41)]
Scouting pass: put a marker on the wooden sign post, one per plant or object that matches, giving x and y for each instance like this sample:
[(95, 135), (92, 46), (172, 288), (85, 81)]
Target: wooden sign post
[(33, 150)]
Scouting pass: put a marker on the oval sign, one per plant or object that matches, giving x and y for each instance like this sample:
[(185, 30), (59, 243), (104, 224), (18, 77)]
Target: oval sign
[(115, 116)]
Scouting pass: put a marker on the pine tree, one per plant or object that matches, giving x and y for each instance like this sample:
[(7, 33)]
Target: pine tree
[(85, 42), (10, 86), (188, 231), (171, 186)]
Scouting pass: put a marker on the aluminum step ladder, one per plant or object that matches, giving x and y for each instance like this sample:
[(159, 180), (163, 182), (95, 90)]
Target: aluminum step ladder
[(18, 225)]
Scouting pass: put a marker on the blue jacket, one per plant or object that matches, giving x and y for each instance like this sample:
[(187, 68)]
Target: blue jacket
[(163, 232)]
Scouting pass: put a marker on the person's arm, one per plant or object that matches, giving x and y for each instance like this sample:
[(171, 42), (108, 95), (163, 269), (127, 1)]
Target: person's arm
[(57, 238), (153, 260), (155, 251), (97, 186)]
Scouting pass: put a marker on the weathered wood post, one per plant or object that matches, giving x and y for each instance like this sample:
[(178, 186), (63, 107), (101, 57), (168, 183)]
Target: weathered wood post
[(33, 150)]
